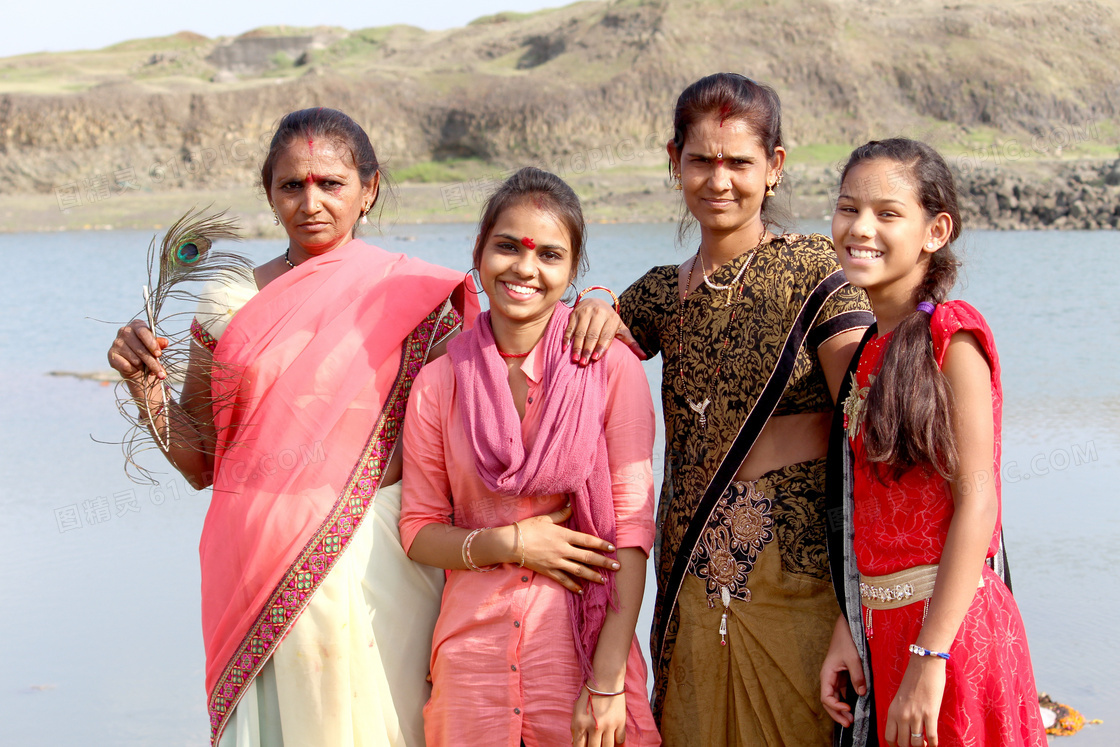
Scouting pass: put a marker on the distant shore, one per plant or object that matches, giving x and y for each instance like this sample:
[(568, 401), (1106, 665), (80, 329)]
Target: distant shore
[(1075, 194)]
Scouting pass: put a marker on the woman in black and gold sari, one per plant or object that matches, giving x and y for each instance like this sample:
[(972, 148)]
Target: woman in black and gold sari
[(755, 331)]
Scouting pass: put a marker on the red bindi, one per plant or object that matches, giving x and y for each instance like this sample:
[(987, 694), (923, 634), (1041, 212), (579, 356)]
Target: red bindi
[(311, 144), (528, 243)]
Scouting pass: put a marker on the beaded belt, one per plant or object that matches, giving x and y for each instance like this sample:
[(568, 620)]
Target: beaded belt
[(899, 589)]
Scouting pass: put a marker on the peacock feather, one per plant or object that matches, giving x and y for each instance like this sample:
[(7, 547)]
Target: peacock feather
[(178, 267), (185, 254)]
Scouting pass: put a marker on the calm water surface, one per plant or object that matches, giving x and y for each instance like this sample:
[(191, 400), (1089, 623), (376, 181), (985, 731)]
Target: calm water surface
[(100, 635)]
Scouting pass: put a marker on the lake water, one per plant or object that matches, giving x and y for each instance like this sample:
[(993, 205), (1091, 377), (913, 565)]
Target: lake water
[(100, 635)]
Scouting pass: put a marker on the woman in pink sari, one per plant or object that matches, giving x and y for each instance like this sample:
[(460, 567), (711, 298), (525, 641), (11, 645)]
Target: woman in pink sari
[(506, 441), (317, 627)]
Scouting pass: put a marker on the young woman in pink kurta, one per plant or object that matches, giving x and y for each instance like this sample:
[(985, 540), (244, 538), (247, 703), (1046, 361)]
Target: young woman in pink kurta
[(506, 655)]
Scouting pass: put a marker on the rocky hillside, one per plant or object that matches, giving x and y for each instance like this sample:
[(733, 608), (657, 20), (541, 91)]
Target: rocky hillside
[(593, 81)]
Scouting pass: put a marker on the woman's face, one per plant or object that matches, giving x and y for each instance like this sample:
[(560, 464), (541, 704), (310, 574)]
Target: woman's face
[(725, 173), (526, 264), (881, 233), (318, 194)]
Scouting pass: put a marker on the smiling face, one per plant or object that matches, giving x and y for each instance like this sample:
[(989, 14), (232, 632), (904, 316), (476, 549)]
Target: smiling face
[(883, 236), (318, 195), (526, 264), (725, 172)]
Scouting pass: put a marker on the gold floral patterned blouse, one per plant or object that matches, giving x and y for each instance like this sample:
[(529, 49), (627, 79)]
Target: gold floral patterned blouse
[(726, 355)]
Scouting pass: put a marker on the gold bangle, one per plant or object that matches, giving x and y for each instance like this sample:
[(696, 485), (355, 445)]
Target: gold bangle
[(602, 694), (608, 291), (521, 542)]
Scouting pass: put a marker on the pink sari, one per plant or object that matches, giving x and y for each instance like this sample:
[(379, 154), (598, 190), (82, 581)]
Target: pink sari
[(324, 358)]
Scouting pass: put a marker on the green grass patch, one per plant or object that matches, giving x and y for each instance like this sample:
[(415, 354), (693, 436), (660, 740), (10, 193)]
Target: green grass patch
[(818, 154), (451, 170), (505, 16)]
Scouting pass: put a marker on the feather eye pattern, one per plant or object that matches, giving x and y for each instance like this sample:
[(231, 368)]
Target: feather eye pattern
[(178, 268), (185, 254)]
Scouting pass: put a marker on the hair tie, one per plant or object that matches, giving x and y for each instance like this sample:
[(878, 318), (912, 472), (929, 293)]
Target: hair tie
[(927, 307)]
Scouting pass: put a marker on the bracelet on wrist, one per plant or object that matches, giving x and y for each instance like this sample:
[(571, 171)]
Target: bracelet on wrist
[(602, 694), (521, 543), (468, 561), (919, 651), (608, 291)]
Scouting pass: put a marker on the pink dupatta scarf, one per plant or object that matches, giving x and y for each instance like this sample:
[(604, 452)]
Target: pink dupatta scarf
[(317, 369), (568, 456)]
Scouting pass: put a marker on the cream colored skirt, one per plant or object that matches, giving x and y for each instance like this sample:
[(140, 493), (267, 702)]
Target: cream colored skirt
[(353, 668)]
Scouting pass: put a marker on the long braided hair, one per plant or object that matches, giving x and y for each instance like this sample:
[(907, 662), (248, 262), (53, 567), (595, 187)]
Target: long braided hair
[(908, 417)]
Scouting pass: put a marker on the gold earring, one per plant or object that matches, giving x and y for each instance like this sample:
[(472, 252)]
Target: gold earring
[(769, 189), (677, 182), (275, 218)]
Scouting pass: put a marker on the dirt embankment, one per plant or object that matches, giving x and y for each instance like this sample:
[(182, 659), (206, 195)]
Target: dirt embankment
[(592, 81)]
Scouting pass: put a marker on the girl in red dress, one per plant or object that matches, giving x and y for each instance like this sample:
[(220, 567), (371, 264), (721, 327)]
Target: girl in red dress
[(948, 652)]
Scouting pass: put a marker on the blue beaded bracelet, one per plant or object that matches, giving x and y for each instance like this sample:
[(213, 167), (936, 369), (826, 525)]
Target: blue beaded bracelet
[(916, 649)]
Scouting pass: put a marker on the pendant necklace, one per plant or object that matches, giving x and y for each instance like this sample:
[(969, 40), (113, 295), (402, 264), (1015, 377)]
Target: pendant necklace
[(700, 408)]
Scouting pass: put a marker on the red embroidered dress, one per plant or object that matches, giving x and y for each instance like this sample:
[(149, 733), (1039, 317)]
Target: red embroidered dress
[(990, 696)]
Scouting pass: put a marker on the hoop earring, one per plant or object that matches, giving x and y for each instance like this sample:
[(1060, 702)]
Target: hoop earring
[(477, 284)]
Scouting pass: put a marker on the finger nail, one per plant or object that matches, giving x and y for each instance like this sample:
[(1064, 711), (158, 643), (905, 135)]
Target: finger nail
[(584, 361), (580, 591), (575, 357), (610, 548), (596, 355), (615, 566)]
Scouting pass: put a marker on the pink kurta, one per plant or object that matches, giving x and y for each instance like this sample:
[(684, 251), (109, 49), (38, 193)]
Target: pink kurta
[(504, 664)]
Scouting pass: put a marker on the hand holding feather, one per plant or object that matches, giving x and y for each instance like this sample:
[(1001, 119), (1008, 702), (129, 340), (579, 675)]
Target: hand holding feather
[(166, 377)]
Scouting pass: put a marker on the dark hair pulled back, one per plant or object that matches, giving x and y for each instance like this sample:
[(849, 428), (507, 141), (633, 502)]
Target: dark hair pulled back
[(730, 96), (909, 413), (547, 192), (320, 123)]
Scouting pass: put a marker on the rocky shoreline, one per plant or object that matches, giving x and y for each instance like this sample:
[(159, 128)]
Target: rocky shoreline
[(1057, 195), (1070, 194), (1084, 196)]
